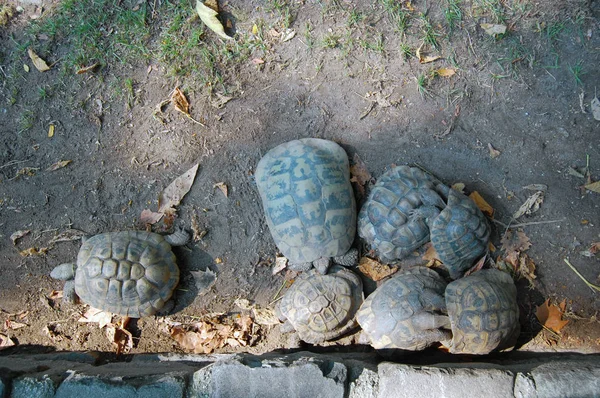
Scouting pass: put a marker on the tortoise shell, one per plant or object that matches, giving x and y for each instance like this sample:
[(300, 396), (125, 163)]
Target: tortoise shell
[(386, 222), (460, 234), (131, 273), (308, 199), (483, 312), (322, 307), (406, 311)]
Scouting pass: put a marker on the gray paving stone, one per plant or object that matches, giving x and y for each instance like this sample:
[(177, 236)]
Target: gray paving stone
[(28, 387), (166, 387), (561, 379), (365, 384), (79, 386), (266, 380), (396, 381)]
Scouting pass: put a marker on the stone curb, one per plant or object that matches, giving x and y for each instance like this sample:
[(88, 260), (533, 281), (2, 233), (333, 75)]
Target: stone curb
[(301, 374)]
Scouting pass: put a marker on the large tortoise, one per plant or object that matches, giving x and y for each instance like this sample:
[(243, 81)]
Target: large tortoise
[(130, 273), (406, 312), (309, 203), (321, 307), (483, 312), (388, 221)]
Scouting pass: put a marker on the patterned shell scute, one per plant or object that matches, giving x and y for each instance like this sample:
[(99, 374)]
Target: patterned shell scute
[(322, 307), (131, 273), (401, 312), (308, 199), (460, 234), (384, 220), (483, 312)]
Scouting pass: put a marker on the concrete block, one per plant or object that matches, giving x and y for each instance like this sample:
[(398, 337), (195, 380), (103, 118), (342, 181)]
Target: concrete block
[(567, 379), (397, 380), (270, 380), (168, 386), (28, 387), (365, 384), (79, 386)]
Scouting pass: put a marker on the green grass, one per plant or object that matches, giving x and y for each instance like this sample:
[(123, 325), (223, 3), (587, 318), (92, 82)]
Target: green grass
[(26, 120), (331, 40), (406, 51), (452, 14), (577, 71), (492, 9), (355, 18), (284, 10), (308, 36), (422, 82), (429, 34)]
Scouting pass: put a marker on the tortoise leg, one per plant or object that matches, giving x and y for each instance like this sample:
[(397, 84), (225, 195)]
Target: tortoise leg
[(322, 264), (350, 259), (300, 267), (69, 295), (427, 321), (167, 308), (178, 238)]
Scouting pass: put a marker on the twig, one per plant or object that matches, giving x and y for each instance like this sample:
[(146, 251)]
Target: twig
[(274, 299), (12, 163), (524, 224), (590, 285)]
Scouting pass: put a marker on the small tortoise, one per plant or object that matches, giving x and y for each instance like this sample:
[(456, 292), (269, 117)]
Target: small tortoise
[(321, 307), (406, 311), (130, 273), (483, 313), (459, 233), (387, 220), (309, 203)]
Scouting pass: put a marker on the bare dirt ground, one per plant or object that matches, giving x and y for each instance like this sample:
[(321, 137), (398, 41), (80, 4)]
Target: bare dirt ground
[(349, 74)]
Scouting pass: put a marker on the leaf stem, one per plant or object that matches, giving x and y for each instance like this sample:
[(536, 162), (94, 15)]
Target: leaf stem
[(589, 284)]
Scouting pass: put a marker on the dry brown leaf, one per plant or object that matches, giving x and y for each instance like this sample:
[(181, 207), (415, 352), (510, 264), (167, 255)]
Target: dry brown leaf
[(8, 324), (18, 235), (265, 316), (218, 260), (445, 72), (55, 295), (527, 268), (594, 186), (34, 251), (5, 342), (493, 29), (180, 102), (430, 253), (26, 171), (94, 315), (222, 187), (150, 217), (513, 244), (374, 269), (87, 68), (531, 205), (280, 264), (58, 165), (172, 195), (258, 61), (424, 58), (494, 153), (550, 316), (39, 63), (67, 236), (121, 339), (359, 172), (484, 206)]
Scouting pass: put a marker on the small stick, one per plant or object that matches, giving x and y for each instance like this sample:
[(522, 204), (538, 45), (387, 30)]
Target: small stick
[(12, 163), (590, 285), (278, 291), (524, 224)]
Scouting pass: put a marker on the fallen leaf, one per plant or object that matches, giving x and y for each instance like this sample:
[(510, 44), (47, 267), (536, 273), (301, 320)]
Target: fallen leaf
[(494, 153), (8, 324), (254, 29), (280, 264), (34, 251), (592, 251), (94, 315), (203, 280), (425, 59), (243, 304), (483, 205), (18, 235), (430, 253), (172, 195), (39, 63), (222, 187), (288, 35), (536, 187), (265, 316), (26, 68), (5, 342), (55, 295), (67, 236), (477, 267), (212, 4), (58, 165), (150, 217), (51, 131), (513, 244), (527, 269), (374, 269), (220, 101), (121, 339), (595, 104), (531, 205), (218, 260), (26, 171), (445, 72), (209, 17), (197, 232), (550, 316), (359, 172), (575, 173), (180, 102), (493, 29), (258, 61), (87, 68), (594, 186), (459, 186)]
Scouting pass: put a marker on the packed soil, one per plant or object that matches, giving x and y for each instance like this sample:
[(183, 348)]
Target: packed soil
[(515, 110)]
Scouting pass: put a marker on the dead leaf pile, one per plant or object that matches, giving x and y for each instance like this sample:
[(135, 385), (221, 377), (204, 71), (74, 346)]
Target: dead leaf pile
[(213, 333), (261, 316), (374, 269), (531, 205), (513, 245), (121, 338), (550, 316)]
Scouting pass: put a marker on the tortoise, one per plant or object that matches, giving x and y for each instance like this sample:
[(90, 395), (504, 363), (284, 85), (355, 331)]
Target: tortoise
[(459, 233), (388, 221), (130, 273), (406, 312), (483, 313), (309, 203), (321, 307)]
